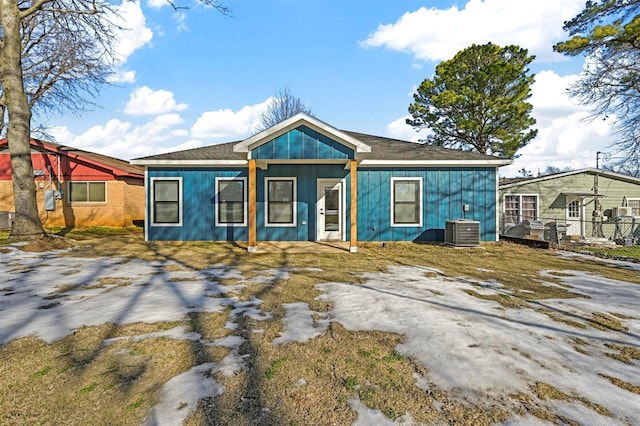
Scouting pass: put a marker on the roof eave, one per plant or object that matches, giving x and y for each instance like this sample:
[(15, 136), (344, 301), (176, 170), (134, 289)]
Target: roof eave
[(436, 163), (592, 171), (190, 163)]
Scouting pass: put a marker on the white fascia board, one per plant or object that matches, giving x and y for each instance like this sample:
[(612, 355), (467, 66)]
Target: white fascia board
[(301, 161), (191, 163), (294, 122), (434, 163)]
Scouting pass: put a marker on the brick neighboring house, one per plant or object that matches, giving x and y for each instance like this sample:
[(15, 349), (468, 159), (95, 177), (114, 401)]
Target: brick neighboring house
[(78, 188)]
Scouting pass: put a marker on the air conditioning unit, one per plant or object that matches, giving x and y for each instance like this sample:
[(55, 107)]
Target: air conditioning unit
[(462, 232), (621, 211)]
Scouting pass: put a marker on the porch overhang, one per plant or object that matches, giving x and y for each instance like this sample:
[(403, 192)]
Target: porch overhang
[(583, 194)]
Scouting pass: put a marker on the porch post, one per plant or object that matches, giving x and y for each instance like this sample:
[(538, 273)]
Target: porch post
[(252, 246), (353, 244)]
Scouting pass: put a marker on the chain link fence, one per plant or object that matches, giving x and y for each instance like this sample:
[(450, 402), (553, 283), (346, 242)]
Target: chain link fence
[(624, 230)]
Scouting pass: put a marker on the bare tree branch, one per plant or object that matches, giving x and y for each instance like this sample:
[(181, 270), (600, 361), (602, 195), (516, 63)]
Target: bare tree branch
[(54, 56), (284, 104)]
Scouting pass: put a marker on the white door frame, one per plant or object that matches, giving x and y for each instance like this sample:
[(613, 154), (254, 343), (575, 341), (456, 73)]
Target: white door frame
[(321, 234), (575, 225)]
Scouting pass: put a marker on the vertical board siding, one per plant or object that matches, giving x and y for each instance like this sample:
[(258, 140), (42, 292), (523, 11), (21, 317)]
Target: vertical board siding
[(302, 143), (198, 206), (306, 180), (444, 192)]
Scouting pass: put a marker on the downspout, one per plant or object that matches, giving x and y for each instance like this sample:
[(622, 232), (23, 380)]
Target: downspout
[(58, 175)]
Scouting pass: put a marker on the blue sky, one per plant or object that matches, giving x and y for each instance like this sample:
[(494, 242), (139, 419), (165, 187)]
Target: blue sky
[(196, 77)]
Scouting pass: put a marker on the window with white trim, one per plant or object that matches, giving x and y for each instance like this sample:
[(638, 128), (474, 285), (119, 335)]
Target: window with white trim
[(634, 203), (231, 201), (406, 201), (573, 209), (166, 201), (281, 201), (88, 192), (519, 207)]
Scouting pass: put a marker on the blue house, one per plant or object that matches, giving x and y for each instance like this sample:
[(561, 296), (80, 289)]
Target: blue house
[(304, 180)]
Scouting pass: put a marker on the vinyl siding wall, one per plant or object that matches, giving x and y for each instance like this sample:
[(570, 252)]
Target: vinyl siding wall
[(552, 204)]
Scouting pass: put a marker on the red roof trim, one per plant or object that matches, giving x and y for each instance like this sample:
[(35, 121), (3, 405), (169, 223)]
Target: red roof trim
[(85, 156)]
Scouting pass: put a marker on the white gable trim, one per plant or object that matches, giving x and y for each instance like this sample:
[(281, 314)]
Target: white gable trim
[(298, 120)]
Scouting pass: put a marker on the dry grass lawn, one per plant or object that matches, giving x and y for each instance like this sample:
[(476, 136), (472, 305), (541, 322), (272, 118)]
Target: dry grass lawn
[(78, 380)]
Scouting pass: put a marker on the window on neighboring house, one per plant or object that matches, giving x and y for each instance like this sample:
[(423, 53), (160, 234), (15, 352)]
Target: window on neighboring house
[(529, 207), (518, 207), (231, 206), (406, 202), (167, 200), (88, 192), (573, 209), (281, 201), (634, 203)]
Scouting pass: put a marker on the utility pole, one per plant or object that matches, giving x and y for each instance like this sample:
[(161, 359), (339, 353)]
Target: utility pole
[(596, 217)]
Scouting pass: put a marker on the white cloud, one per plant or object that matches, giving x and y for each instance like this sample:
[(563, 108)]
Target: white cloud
[(226, 124), (157, 4), (566, 141), (124, 140), (163, 133), (399, 129), (567, 137), (550, 97), (134, 32), (437, 34), (145, 101), (181, 19), (122, 76), (98, 135), (131, 33)]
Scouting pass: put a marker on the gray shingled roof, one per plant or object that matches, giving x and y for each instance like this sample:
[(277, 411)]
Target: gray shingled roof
[(223, 151), (394, 149), (381, 149)]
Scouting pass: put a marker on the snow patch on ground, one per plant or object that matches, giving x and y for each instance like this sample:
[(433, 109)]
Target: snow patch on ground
[(97, 291), (368, 416), (299, 324), (179, 396), (614, 262), (478, 349), (175, 333)]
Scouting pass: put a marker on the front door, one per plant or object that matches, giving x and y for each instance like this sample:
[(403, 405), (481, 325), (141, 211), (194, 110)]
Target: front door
[(329, 212), (574, 216)]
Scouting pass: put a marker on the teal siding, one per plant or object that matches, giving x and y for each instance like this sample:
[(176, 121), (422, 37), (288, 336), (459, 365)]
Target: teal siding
[(306, 192), (198, 210), (198, 207), (302, 143), (445, 191)]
